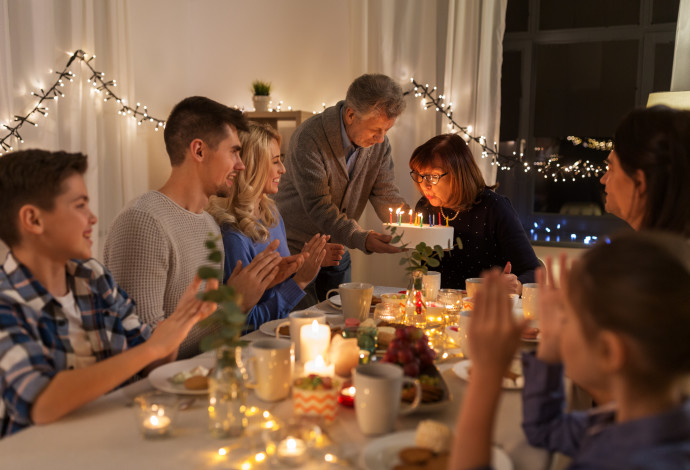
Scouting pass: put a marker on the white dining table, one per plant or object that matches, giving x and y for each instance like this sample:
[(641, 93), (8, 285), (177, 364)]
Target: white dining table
[(104, 433)]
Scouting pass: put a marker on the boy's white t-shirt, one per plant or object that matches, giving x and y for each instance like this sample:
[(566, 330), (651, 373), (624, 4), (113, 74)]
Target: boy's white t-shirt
[(83, 354)]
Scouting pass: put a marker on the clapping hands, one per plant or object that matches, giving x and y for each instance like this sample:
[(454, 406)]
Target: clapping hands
[(314, 252)]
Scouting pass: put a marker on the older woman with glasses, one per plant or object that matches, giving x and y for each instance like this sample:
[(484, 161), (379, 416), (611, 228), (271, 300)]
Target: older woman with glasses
[(454, 191)]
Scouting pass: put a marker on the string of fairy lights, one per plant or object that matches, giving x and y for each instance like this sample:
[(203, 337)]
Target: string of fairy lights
[(431, 98), (551, 168), (100, 85)]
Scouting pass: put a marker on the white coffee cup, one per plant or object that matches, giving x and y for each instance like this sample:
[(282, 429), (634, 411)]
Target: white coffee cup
[(377, 403), (432, 284), (463, 329), (472, 286), (355, 298), (271, 363), (530, 293), (296, 319)]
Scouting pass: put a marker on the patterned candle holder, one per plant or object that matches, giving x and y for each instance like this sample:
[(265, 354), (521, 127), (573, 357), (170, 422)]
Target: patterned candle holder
[(316, 396)]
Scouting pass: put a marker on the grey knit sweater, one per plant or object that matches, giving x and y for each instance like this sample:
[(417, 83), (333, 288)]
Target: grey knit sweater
[(316, 195), (153, 249)]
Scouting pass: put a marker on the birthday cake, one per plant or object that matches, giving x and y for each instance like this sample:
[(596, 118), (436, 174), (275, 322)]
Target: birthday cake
[(413, 235)]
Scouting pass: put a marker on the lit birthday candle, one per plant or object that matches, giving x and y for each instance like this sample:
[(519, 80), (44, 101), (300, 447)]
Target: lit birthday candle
[(390, 219)]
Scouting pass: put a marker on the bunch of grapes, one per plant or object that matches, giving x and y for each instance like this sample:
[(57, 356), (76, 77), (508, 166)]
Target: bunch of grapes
[(410, 349)]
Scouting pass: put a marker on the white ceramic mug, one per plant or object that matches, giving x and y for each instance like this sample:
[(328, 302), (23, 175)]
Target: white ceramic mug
[(377, 402), (271, 363), (463, 328), (530, 292), (295, 320), (432, 284), (355, 298), (472, 286)]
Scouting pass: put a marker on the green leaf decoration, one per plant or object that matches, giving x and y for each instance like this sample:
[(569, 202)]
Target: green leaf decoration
[(433, 262), (439, 251), (458, 243), (396, 239), (215, 256), (207, 272), (402, 261)]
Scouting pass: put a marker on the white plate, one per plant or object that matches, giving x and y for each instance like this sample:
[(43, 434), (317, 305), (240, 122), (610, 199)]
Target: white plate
[(269, 328), (378, 290), (461, 369), (382, 453), (160, 375)]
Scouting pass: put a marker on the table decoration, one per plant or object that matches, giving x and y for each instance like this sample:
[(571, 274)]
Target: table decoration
[(344, 355), (347, 394), (156, 413), (314, 340), (291, 451), (226, 384), (317, 396)]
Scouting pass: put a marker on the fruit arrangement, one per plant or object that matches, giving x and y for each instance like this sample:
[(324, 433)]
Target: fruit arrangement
[(410, 350), (314, 382)]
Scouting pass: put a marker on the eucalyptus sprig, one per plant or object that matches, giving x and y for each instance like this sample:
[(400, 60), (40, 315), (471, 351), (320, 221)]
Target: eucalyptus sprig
[(423, 256), (228, 319)]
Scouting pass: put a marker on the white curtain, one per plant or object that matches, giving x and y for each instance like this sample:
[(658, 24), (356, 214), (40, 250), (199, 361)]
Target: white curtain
[(680, 78), (36, 38), (455, 45), (472, 78)]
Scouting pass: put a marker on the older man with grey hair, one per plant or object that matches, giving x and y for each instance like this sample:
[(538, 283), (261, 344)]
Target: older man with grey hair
[(336, 162)]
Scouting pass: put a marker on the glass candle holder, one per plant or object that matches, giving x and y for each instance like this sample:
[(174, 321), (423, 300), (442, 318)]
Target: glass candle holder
[(155, 414)]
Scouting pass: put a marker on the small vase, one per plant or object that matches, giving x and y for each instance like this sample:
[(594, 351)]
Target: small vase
[(415, 310), (261, 102), (227, 394)]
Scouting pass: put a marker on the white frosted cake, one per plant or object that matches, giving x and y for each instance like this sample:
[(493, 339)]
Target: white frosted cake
[(412, 235)]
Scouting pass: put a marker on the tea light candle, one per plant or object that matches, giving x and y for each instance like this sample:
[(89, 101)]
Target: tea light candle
[(291, 451), (364, 356), (155, 426), (314, 341), (347, 395), (318, 367)]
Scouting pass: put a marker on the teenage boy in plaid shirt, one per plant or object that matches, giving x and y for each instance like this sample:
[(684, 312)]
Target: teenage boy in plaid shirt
[(68, 333)]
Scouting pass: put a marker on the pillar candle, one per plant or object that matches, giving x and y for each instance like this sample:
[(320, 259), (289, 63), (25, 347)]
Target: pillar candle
[(314, 340)]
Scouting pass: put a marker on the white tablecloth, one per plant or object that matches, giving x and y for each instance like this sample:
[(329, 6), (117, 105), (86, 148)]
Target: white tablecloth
[(104, 434)]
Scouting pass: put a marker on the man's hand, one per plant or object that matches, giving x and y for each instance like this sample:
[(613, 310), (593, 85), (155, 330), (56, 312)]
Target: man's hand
[(253, 280), (315, 251), (287, 267), (334, 253), (380, 243)]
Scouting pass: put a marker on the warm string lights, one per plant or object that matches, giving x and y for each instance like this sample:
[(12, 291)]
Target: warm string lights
[(101, 86), (552, 168)]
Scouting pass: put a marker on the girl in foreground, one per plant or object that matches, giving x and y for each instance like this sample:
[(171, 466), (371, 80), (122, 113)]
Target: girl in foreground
[(249, 221), (618, 327)]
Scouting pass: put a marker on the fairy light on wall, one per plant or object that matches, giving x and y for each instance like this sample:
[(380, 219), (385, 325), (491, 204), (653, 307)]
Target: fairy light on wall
[(552, 168), (100, 85)]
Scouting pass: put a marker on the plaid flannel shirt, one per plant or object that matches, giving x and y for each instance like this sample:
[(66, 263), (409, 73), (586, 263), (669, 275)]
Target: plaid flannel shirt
[(34, 339)]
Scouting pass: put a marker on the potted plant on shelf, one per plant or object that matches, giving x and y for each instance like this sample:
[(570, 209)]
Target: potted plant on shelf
[(262, 94), (226, 383)]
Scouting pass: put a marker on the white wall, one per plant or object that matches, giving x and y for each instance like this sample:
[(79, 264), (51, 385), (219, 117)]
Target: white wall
[(216, 48)]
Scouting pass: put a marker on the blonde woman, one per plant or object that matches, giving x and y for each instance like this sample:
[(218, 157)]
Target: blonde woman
[(249, 221)]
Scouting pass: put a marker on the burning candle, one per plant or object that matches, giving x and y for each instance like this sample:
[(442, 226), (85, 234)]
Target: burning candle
[(156, 426), (398, 212), (318, 367), (314, 340), (421, 219), (410, 216), (390, 219), (291, 451), (347, 395), (440, 220), (446, 221)]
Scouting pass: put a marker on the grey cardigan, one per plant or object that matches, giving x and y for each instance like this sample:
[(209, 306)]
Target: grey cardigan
[(316, 195)]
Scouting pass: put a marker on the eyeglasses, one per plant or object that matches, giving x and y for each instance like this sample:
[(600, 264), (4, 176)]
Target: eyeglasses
[(431, 179)]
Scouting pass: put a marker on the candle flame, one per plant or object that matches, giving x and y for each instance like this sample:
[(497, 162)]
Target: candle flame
[(291, 443), (315, 326)]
